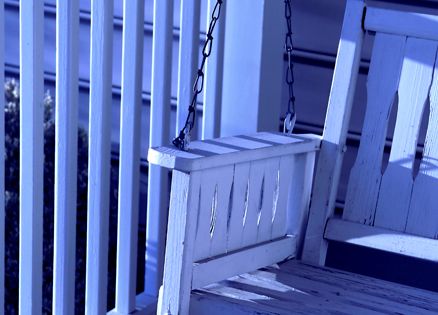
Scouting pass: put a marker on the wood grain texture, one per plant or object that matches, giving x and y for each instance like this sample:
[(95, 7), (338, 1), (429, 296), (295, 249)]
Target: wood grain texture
[(296, 288), (31, 156), (335, 132), (382, 84), (410, 24), (184, 207), (423, 210), (397, 181), (129, 168), (99, 156), (66, 156), (239, 150), (382, 239)]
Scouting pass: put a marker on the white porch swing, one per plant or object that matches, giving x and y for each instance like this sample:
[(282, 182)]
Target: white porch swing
[(242, 203)]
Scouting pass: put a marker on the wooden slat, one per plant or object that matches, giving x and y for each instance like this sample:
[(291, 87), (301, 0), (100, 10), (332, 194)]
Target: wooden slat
[(423, 214), (211, 120), (2, 157), (31, 156), (366, 174), (248, 259), (402, 23), (170, 157), (129, 169), (159, 135), (239, 199), (188, 58), (99, 156), (396, 187), (382, 239), (174, 295), (66, 156), (335, 131)]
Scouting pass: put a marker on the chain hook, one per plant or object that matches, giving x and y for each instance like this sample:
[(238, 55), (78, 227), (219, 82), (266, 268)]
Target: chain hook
[(289, 123)]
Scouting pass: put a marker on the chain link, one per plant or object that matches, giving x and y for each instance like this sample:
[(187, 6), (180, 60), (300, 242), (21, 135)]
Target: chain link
[(183, 140), (290, 118)]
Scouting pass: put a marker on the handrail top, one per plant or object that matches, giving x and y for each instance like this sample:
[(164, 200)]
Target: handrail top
[(231, 150)]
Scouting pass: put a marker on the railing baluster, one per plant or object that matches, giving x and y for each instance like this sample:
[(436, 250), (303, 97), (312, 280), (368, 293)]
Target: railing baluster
[(188, 57), (99, 156), (213, 78), (31, 156), (159, 135), (67, 26), (132, 70), (2, 158)]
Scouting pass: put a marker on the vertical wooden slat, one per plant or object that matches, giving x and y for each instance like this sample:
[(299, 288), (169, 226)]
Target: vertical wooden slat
[(67, 22), (132, 69), (99, 155), (213, 78), (397, 181), (382, 84), (2, 158), (188, 57), (31, 156), (335, 132), (159, 134)]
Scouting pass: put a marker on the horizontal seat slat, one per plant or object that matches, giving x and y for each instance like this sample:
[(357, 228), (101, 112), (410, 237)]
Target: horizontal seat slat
[(402, 23), (382, 239), (238, 149)]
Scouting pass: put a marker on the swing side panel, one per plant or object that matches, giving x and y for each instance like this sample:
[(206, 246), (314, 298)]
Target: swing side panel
[(394, 209), (237, 204)]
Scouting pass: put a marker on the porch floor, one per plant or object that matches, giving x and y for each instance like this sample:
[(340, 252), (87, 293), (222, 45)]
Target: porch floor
[(295, 288)]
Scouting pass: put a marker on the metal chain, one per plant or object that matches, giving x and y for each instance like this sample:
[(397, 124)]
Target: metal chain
[(183, 140), (290, 118)]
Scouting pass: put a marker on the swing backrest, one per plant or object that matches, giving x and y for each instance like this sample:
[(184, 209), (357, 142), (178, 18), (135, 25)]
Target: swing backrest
[(237, 204), (392, 209)]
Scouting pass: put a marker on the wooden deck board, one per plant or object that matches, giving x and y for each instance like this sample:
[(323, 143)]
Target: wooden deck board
[(296, 288)]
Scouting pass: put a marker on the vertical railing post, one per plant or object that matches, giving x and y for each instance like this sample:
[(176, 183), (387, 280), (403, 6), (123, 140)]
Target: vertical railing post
[(159, 134), (31, 156), (66, 151), (188, 58), (2, 157), (99, 156), (129, 179), (211, 116)]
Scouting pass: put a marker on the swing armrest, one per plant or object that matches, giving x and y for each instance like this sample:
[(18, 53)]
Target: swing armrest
[(231, 150)]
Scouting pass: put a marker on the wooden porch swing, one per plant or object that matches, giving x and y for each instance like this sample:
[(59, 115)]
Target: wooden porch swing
[(242, 203)]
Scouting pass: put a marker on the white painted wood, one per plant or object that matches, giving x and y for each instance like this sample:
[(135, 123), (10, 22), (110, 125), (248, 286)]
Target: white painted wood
[(184, 207), (413, 25), (170, 157), (382, 84), (156, 219), (248, 259), (129, 168), (396, 187), (31, 156), (285, 177), (423, 215), (238, 205), (261, 70), (2, 158), (335, 131), (253, 205), (212, 103), (268, 200), (299, 197), (99, 156), (66, 156), (382, 239), (188, 58)]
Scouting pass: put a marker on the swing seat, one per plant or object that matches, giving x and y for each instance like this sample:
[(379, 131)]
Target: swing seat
[(242, 203)]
